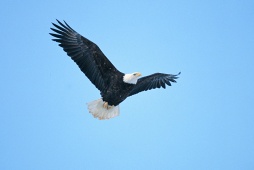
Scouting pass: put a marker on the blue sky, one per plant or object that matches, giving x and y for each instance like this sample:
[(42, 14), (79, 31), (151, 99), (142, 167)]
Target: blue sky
[(204, 121)]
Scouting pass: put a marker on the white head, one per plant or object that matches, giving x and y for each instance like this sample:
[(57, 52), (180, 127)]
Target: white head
[(131, 78)]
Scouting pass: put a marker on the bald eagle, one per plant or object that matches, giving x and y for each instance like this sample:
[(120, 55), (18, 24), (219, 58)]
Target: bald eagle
[(114, 86)]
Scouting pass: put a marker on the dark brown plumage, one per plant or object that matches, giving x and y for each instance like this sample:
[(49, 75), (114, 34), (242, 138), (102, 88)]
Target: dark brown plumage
[(101, 72)]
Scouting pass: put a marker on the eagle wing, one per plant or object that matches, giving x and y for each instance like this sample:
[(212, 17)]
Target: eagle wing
[(153, 81), (86, 54)]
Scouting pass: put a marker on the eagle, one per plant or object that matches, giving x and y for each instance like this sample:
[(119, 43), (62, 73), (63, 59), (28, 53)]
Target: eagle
[(114, 86)]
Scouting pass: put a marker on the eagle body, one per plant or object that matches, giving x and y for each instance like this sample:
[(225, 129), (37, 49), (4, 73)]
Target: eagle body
[(117, 90), (114, 86)]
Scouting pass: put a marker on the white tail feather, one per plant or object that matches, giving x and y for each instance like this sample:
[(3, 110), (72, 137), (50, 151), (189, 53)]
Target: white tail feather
[(98, 111)]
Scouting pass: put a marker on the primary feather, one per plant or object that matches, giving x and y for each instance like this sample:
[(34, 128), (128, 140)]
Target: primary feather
[(153, 81), (86, 54)]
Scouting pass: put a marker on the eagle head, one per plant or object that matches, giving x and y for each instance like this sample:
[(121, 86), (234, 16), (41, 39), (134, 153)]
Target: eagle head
[(131, 78)]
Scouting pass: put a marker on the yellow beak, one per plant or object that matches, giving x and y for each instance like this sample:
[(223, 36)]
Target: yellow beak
[(138, 74)]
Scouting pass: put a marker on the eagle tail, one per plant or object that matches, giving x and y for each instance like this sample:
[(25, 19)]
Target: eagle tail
[(98, 111)]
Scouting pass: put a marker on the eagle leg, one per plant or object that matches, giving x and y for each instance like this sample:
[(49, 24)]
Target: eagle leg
[(107, 106)]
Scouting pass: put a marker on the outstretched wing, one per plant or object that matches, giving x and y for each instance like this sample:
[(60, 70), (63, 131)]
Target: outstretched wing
[(153, 81), (86, 54)]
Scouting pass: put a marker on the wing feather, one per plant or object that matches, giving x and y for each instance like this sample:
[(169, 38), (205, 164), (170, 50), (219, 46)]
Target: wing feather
[(86, 54), (153, 81)]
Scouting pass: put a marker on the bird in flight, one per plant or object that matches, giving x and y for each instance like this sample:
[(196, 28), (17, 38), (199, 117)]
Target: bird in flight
[(114, 86)]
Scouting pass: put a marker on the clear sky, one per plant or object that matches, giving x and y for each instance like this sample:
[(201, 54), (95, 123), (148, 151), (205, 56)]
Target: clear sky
[(204, 121)]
